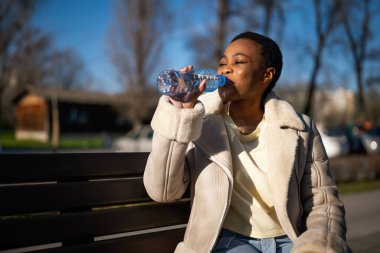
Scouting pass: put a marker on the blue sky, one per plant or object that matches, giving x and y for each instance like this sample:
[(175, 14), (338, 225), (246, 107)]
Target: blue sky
[(83, 25)]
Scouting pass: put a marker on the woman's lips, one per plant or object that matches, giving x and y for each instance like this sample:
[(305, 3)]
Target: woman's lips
[(226, 91)]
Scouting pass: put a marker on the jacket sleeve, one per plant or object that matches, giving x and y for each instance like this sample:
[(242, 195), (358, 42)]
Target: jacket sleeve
[(323, 210), (166, 176)]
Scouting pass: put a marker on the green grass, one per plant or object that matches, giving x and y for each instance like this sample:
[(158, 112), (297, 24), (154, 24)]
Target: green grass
[(8, 141), (359, 186)]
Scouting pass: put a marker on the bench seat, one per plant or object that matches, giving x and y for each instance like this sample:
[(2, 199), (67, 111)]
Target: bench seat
[(84, 202)]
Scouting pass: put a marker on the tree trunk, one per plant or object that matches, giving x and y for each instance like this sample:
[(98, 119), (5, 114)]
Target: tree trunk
[(269, 5), (308, 108), (361, 101), (55, 125), (221, 34)]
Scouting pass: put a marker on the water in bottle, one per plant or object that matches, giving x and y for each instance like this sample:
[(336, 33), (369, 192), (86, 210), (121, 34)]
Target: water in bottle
[(180, 85)]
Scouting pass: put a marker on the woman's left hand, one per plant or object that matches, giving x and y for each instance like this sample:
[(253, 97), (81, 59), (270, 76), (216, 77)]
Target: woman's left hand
[(188, 101)]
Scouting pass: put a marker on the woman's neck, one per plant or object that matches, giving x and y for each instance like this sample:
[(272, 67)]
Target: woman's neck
[(246, 115)]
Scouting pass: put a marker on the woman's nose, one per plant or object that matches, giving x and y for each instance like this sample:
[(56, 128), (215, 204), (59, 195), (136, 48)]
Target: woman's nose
[(226, 70)]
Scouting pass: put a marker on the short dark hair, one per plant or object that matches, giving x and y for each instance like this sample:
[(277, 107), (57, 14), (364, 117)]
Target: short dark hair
[(270, 52)]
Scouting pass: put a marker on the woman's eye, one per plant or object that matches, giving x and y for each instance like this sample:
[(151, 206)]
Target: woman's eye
[(221, 64), (240, 62)]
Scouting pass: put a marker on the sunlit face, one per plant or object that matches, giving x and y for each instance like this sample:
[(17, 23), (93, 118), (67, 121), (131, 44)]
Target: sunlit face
[(242, 63)]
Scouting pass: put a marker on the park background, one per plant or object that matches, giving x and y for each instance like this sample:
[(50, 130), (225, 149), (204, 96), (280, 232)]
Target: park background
[(77, 75), (91, 65)]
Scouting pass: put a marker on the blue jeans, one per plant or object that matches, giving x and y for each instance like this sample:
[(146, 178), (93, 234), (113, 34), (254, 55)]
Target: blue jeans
[(231, 242)]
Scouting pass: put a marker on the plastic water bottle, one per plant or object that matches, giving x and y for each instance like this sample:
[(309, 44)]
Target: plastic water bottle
[(181, 85)]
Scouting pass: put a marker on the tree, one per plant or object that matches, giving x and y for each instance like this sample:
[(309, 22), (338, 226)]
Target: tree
[(136, 40), (66, 69), (35, 61), (27, 63), (14, 18), (271, 7), (208, 43), (263, 14), (28, 57), (356, 16), (326, 20), (223, 12), (232, 16)]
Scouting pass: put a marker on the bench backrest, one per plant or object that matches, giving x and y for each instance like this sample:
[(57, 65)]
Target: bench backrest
[(84, 202)]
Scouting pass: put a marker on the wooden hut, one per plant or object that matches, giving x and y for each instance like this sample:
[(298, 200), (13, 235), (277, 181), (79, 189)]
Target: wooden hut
[(32, 118)]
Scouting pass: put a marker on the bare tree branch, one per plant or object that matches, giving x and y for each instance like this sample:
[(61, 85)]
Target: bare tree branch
[(325, 13), (232, 15), (356, 19), (136, 40)]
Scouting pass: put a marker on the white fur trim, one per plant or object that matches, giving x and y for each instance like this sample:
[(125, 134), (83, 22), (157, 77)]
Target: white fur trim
[(212, 103), (182, 125)]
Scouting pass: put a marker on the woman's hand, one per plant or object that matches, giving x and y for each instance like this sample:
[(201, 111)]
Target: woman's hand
[(190, 98)]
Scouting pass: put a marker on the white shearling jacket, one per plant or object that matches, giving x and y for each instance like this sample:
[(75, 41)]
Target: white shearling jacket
[(191, 147)]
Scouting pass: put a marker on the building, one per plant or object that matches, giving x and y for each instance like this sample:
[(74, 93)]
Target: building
[(78, 112), (32, 118)]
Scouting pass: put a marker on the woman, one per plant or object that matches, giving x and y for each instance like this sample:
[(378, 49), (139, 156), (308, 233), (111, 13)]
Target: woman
[(258, 171)]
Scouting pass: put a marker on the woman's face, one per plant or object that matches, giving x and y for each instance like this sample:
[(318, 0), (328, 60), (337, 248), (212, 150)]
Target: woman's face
[(242, 63)]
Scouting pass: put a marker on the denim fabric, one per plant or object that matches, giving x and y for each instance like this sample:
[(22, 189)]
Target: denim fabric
[(231, 242)]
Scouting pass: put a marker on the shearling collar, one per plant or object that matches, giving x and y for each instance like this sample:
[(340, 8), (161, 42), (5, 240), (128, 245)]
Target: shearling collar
[(280, 112), (277, 111)]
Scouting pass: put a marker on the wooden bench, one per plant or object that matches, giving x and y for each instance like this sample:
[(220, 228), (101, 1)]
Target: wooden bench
[(84, 202)]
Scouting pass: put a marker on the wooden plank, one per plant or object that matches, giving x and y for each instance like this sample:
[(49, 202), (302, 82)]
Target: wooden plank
[(68, 227), (158, 242), (69, 166), (70, 196)]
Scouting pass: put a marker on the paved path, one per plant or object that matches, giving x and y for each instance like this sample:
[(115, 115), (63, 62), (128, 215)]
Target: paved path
[(363, 221)]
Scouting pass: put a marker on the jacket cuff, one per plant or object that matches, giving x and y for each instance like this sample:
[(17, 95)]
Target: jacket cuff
[(181, 125), (212, 103), (318, 240), (182, 248)]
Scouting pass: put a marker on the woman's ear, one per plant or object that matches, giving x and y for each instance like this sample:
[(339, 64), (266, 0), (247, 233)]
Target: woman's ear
[(269, 75)]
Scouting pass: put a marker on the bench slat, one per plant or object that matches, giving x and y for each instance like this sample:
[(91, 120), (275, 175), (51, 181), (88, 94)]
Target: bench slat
[(158, 242), (74, 196), (69, 166), (73, 226), (70, 196)]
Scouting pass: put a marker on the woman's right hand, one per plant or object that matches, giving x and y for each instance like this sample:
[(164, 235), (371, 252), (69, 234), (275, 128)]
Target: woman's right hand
[(192, 97)]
